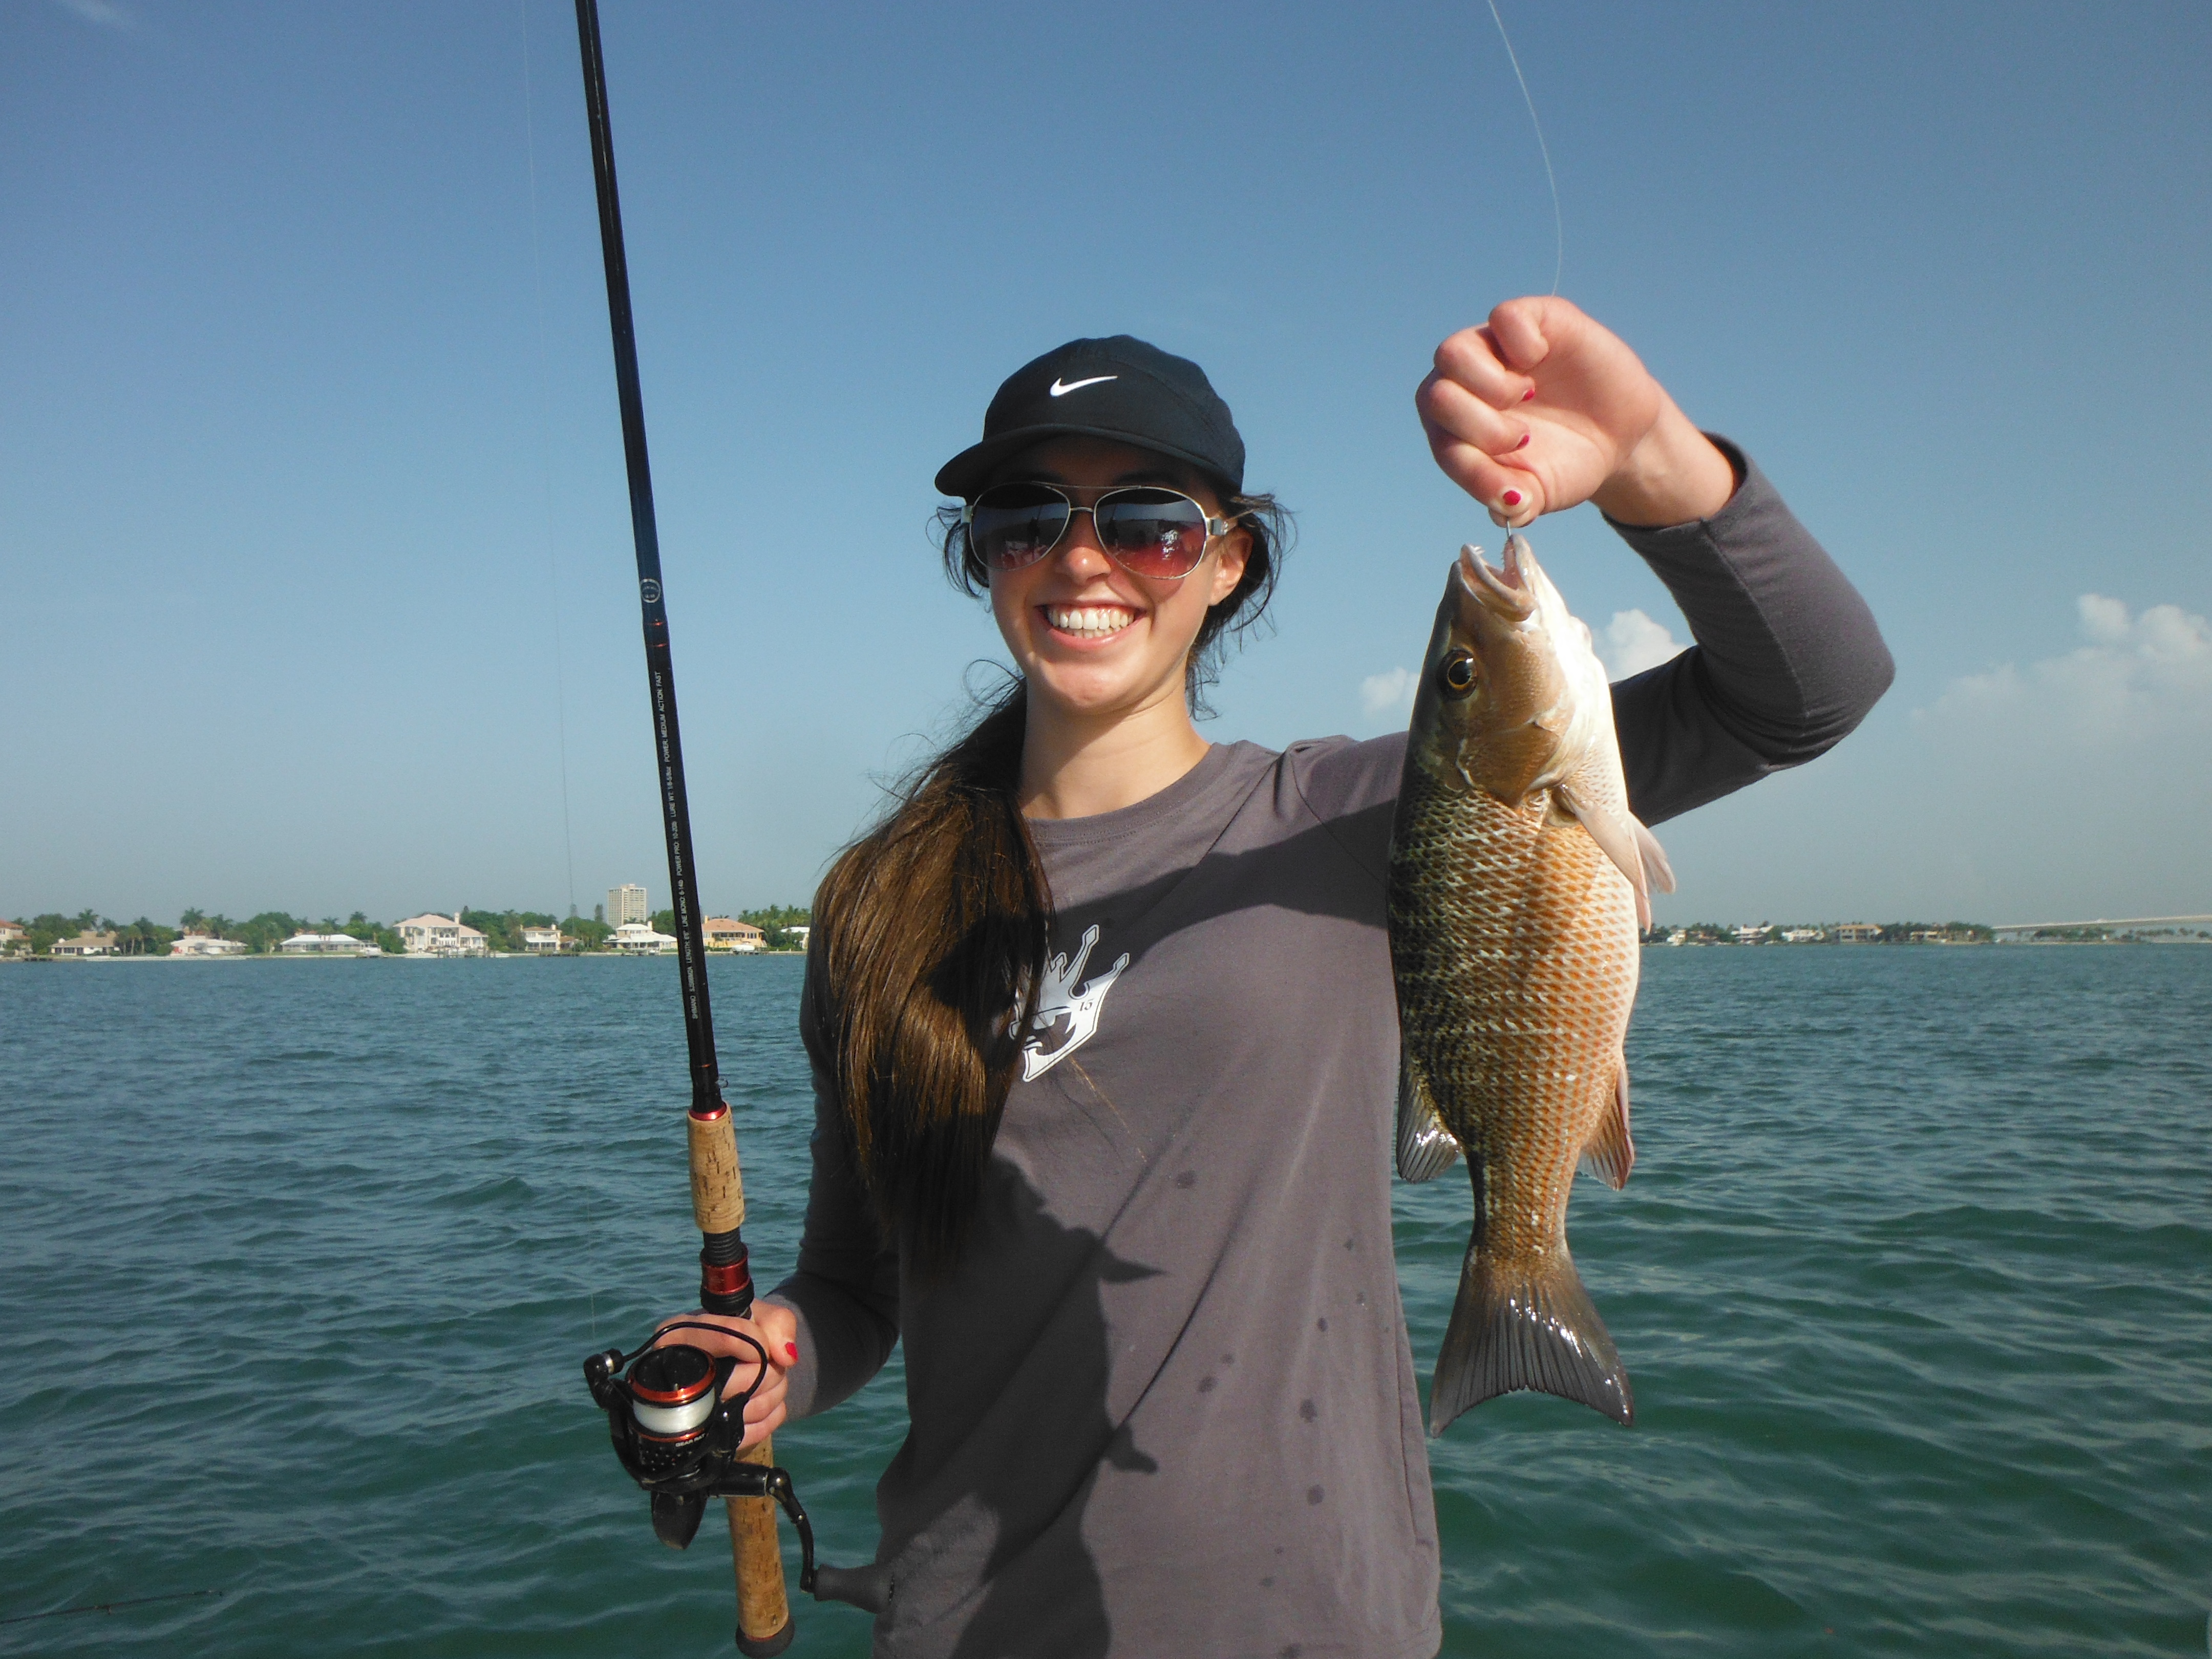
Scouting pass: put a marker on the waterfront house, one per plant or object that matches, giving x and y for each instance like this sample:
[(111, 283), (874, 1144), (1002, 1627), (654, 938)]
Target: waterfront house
[(1803, 935), (545, 941), (726, 934), (9, 933), (86, 944), (207, 945), (433, 935), (1857, 933), (1752, 933), (329, 945), (636, 938)]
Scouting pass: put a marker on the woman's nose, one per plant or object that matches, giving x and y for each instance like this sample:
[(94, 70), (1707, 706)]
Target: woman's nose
[(1078, 546)]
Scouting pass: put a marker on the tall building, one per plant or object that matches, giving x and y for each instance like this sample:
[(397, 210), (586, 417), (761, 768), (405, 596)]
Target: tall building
[(626, 903)]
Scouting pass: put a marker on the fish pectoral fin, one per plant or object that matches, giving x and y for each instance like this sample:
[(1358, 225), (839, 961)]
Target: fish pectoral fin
[(1656, 870), (1425, 1148), (1615, 834), (1611, 1154)]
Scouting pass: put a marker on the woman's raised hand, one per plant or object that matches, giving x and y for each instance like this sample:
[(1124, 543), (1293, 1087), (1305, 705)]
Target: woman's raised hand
[(776, 1329), (1542, 408)]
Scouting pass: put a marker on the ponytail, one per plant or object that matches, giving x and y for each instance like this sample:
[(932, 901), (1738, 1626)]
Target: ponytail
[(934, 927)]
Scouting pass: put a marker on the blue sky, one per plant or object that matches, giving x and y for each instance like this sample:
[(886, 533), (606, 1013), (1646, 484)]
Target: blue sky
[(308, 449)]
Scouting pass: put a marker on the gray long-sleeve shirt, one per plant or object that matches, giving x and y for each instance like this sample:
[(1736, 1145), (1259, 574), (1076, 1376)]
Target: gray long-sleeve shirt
[(1167, 1405)]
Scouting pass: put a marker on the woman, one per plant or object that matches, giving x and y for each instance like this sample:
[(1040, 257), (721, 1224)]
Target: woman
[(1102, 1027)]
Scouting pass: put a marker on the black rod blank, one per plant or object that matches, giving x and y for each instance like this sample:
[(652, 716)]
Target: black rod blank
[(675, 807)]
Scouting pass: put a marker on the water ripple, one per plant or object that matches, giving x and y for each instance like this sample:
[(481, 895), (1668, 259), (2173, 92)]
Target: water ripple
[(301, 1260)]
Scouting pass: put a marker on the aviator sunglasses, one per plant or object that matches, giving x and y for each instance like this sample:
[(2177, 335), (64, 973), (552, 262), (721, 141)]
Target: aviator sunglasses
[(1147, 530)]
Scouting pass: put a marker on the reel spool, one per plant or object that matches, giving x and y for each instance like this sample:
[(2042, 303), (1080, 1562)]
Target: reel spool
[(677, 1428)]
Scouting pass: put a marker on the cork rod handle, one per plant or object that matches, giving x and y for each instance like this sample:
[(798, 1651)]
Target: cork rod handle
[(764, 1621), (718, 1190)]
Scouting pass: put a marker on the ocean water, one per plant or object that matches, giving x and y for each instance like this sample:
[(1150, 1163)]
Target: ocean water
[(298, 1262)]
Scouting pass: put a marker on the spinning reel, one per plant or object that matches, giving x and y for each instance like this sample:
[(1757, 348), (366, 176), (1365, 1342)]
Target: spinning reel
[(677, 1428)]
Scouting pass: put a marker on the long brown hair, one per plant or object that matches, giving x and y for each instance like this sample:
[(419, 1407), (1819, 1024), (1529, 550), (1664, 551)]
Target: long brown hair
[(933, 927)]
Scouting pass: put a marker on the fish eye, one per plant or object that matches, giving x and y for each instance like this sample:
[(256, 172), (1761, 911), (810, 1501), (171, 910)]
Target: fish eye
[(1455, 675)]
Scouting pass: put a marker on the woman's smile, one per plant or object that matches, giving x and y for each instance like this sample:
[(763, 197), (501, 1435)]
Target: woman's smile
[(1089, 624)]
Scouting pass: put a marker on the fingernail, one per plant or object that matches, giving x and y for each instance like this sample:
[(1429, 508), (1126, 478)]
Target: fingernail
[(1523, 443), (791, 1348), (1511, 498), (1530, 395)]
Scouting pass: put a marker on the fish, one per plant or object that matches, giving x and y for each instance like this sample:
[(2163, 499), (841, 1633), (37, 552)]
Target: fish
[(1518, 881)]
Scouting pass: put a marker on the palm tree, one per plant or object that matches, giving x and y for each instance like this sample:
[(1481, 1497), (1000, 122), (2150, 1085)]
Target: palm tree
[(192, 921)]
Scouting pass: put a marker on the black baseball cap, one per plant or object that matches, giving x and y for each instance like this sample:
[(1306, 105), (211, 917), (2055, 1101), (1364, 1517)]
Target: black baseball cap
[(1120, 388)]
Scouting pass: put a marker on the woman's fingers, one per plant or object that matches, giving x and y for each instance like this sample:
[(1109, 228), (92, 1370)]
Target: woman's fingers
[(1472, 358), (1515, 332), (1513, 494), (1513, 497), (1450, 404)]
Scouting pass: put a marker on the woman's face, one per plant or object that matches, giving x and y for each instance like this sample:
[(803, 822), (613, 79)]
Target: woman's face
[(1091, 639)]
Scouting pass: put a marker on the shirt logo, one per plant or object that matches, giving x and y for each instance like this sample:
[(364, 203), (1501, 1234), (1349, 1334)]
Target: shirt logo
[(1065, 1014), (1061, 390)]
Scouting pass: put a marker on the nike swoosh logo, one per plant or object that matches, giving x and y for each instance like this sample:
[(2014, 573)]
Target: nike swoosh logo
[(1062, 390)]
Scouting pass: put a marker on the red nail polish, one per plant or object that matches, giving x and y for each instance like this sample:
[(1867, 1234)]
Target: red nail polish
[(1511, 498), (1530, 395), (791, 1348), (1523, 443)]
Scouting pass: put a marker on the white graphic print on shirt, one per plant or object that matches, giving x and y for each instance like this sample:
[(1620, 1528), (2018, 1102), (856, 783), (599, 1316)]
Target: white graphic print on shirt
[(1061, 1001)]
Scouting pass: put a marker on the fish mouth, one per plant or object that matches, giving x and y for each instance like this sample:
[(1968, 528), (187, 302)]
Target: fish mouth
[(1505, 592)]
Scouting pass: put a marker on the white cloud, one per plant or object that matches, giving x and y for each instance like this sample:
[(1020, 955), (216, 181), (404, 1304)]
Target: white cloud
[(2138, 675), (1633, 642), (105, 13), (1390, 693)]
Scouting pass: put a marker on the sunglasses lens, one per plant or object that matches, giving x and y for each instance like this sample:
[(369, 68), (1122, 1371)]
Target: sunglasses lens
[(1015, 524), (1152, 532)]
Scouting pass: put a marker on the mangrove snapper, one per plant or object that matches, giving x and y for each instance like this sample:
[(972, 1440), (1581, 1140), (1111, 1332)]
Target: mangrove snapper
[(1518, 878)]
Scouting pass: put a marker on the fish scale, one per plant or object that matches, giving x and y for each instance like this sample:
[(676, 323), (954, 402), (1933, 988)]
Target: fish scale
[(1513, 936)]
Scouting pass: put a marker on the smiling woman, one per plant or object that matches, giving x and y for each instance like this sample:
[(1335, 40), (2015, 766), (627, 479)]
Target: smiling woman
[(1103, 1029)]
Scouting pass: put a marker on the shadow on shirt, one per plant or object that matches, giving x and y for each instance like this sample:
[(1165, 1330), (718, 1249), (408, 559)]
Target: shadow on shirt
[(983, 1506)]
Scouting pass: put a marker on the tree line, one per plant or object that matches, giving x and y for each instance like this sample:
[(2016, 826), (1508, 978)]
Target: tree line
[(261, 934)]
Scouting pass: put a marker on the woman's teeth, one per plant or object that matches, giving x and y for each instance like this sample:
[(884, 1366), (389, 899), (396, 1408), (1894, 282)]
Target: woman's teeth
[(1094, 621)]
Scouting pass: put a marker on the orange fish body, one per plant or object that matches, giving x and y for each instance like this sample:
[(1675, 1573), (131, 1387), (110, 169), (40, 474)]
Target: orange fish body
[(1517, 881)]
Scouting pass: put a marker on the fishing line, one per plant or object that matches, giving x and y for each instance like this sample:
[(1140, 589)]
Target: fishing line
[(553, 570), (545, 452), (1558, 223)]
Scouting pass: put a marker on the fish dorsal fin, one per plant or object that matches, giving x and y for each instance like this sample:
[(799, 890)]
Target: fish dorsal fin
[(1611, 1154), (1615, 833), (1425, 1148)]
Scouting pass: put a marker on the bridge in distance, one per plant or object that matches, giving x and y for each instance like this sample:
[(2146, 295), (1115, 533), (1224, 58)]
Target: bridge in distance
[(2103, 922)]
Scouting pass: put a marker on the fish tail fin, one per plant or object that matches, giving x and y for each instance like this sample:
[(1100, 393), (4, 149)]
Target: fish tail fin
[(1530, 1325)]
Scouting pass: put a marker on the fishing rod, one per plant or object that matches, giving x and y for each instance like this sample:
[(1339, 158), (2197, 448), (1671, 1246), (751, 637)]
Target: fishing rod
[(676, 1424)]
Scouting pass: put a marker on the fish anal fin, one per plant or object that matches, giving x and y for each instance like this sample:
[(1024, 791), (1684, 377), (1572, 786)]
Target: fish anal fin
[(1526, 1325), (1425, 1148), (1615, 833), (1611, 1154)]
